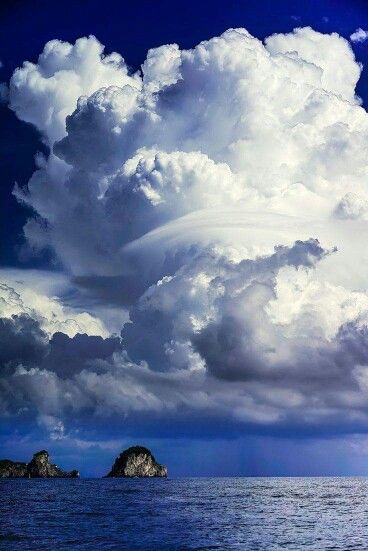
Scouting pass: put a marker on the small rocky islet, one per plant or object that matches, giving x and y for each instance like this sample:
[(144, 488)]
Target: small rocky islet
[(38, 467), (135, 462)]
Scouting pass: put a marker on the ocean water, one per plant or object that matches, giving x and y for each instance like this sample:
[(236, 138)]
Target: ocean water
[(185, 514)]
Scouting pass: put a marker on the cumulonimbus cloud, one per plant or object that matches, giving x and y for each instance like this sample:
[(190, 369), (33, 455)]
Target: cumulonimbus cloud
[(219, 194)]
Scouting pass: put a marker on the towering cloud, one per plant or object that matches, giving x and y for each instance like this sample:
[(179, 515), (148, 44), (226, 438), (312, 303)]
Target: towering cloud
[(219, 195)]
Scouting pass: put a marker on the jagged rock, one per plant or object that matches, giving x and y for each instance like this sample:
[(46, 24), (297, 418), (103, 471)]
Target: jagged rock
[(137, 461), (39, 467), (12, 469)]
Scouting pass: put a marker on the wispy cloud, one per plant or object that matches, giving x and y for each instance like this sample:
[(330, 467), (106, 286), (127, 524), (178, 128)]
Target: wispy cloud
[(360, 35)]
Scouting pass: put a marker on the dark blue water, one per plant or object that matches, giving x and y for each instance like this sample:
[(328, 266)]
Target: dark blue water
[(185, 514)]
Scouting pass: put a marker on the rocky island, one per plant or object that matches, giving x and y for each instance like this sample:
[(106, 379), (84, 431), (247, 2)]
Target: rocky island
[(38, 467), (137, 462)]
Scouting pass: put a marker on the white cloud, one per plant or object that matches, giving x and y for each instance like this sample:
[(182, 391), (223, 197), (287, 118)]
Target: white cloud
[(45, 93), (54, 426), (352, 206), (267, 116), (162, 67), (190, 195), (359, 35), (52, 316), (329, 53)]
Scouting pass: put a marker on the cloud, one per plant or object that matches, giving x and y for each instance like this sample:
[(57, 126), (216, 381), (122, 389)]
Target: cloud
[(179, 308), (359, 36), (45, 93), (319, 50), (352, 206), (191, 337), (54, 426), (215, 112), (218, 196), (21, 339), (49, 313)]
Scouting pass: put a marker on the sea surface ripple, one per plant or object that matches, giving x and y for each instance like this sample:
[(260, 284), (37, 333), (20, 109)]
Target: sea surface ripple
[(185, 514)]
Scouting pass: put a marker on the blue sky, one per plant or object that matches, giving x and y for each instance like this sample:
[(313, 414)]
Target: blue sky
[(185, 284)]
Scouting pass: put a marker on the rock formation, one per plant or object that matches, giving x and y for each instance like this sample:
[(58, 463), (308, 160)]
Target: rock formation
[(137, 461), (12, 469), (39, 467)]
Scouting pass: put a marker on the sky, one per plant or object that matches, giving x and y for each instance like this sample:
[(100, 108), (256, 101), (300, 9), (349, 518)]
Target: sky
[(184, 213)]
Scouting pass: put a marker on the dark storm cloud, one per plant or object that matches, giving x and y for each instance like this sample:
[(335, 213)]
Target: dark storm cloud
[(69, 355), (21, 340), (240, 370)]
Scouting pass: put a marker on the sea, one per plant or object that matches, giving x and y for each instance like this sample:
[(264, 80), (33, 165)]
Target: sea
[(184, 514)]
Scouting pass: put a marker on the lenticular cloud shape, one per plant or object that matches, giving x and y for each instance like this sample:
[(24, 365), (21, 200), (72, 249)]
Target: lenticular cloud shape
[(220, 194)]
